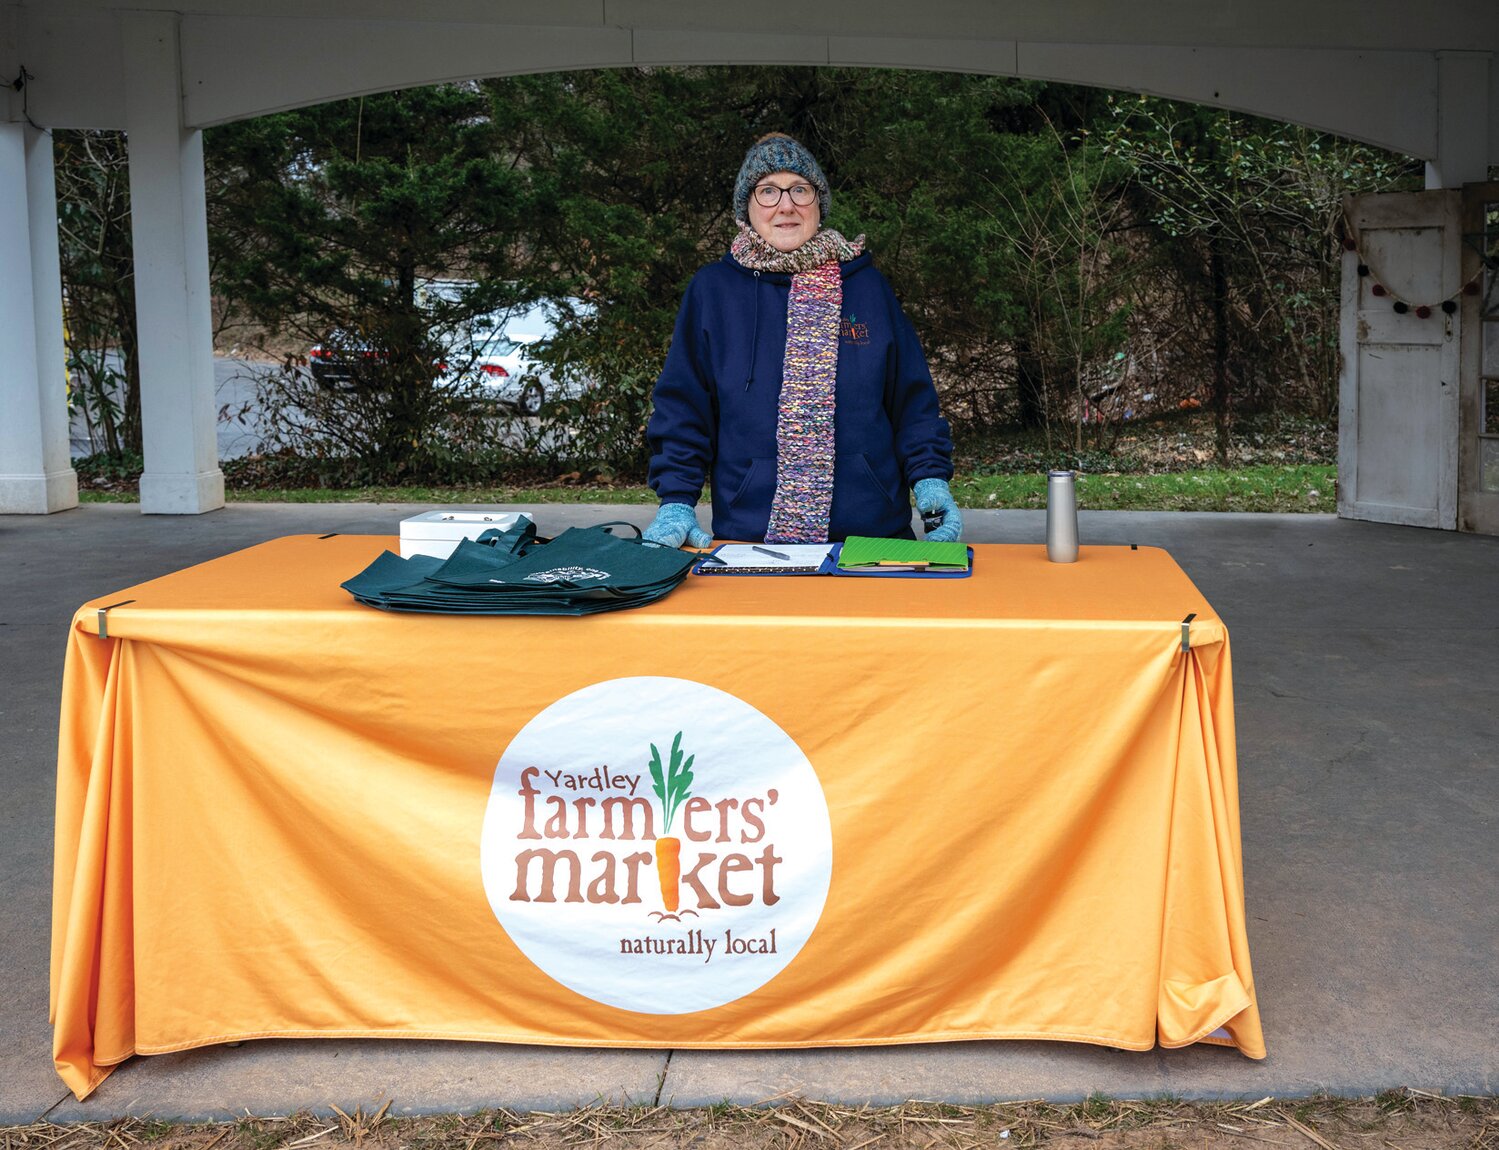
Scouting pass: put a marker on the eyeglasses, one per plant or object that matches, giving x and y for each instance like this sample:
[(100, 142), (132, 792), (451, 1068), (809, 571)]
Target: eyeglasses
[(769, 196)]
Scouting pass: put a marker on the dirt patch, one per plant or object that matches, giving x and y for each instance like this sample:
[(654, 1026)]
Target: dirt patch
[(1397, 1119)]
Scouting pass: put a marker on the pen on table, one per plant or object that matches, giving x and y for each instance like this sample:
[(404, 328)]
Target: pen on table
[(768, 551)]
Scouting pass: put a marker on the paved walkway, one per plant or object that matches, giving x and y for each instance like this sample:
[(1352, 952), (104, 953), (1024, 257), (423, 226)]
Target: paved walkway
[(1366, 666)]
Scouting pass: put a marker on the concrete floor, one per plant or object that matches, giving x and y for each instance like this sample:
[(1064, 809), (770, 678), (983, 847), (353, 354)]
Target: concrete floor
[(1366, 664)]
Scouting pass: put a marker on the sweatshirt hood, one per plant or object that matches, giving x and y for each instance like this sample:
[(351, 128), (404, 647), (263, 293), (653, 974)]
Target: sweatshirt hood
[(847, 267)]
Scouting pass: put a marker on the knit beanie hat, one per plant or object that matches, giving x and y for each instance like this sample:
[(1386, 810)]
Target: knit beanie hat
[(778, 152)]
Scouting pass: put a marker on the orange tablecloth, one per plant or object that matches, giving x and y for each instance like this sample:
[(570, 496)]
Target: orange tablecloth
[(1000, 807)]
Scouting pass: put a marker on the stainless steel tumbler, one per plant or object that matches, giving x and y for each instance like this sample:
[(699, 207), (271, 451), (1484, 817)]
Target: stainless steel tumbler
[(1061, 516)]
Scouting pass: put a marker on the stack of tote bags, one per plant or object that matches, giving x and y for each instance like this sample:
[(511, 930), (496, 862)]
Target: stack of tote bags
[(580, 572)]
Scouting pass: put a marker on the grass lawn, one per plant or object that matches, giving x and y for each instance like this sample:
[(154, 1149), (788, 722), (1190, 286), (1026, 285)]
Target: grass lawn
[(569, 493), (1302, 487)]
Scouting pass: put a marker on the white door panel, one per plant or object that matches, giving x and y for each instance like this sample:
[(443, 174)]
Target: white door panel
[(1399, 433), (1398, 395)]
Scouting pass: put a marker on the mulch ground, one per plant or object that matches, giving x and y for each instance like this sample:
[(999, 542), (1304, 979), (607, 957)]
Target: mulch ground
[(1176, 441), (1397, 1119)]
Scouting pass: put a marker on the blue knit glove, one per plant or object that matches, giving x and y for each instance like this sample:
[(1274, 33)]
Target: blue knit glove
[(933, 495), (675, 524)]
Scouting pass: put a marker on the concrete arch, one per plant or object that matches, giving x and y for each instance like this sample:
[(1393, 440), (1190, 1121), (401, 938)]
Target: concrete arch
[(1376, 71), (1356, 93)]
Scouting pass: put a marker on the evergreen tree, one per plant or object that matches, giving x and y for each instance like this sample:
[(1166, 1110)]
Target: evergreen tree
[(327, 222), (635, 170)]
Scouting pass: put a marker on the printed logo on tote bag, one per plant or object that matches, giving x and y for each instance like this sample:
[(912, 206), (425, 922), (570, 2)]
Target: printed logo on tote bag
[(656, 844)]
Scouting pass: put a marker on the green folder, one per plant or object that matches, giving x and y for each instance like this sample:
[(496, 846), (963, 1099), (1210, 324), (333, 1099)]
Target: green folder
[(865, 552)]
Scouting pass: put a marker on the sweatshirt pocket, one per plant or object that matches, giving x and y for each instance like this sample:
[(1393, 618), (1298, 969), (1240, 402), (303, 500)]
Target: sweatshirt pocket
[(884, 489), (757, 488), (867, 498)]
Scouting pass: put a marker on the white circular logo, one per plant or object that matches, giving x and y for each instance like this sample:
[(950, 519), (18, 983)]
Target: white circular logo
[(657, 845)]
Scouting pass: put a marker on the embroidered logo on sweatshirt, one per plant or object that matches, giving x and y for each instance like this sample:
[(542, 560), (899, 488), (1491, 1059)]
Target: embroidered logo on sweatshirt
[(854, 332)]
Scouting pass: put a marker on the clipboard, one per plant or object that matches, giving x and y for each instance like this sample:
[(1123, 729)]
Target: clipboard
[(767, 559)]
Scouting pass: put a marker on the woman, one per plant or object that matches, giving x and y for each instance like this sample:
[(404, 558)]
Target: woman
[(795, 382)]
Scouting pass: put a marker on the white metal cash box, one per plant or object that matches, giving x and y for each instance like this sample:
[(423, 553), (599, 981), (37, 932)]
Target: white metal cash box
[(436, 533)]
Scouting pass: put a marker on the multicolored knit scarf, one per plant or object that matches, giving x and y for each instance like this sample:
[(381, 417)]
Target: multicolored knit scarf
[(804, 421)]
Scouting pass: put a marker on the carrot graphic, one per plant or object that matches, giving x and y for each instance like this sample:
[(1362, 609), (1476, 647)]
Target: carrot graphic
[(672, 783), (669, 870)]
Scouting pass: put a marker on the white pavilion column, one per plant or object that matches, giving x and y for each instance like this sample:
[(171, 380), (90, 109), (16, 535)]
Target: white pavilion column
[(1462, 120), (36, 476), (169, 233)]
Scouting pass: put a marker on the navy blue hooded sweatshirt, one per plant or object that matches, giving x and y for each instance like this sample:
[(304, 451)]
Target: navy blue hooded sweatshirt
[(717, 398)]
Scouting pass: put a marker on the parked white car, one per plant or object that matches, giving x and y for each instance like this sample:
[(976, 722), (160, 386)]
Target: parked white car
[(498, 357), (492, 358)]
